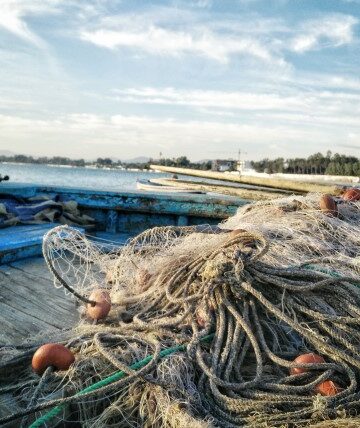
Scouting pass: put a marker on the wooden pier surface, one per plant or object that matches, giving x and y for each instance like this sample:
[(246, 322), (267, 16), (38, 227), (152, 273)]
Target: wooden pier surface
[(273, 182), (29, 302)]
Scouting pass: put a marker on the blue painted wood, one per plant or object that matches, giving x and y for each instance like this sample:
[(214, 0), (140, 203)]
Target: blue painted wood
[(111, 241), (200, 207), (19, 242), (129, 212), (25, 252), (19, 236), (137, 222), (178, 204), (18, 189), (182, 220), (111, 221)]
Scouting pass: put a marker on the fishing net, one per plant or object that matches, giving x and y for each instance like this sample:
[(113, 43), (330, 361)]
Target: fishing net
[(206, 322)]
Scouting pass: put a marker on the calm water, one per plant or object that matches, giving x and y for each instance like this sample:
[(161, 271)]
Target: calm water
[(99, 179)]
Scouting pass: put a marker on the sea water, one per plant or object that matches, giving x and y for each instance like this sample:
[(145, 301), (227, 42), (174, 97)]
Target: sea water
[(95, 178), (92, 178)]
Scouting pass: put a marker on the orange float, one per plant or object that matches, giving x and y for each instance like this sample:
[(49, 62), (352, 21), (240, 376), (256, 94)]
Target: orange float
[(52, 355), (102, 307), (328, 205), (328, 388), (310, 358), (351, 195)]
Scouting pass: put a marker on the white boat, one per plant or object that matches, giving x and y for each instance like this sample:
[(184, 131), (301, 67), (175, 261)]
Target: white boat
[(150, 186)]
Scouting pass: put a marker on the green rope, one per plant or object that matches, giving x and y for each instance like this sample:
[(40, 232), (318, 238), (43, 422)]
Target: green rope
[(330, 272), (110, 379), (322, 270)]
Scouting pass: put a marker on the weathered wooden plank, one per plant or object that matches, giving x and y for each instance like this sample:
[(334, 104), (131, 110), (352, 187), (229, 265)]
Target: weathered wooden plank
[(17, 325), (18, 236), (22, 283), (19, 242), (11, 255), (22, 190), (18, 229), (138, 222), (10, 188), (41, 306), (201, 206), (30, 304), (34, 266)]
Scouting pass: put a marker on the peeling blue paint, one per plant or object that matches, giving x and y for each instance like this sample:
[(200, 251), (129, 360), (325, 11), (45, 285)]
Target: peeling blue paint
[(115, 213)]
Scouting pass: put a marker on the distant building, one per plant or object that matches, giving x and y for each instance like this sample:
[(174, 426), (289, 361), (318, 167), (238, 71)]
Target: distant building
[(243, 165), (223, 165)]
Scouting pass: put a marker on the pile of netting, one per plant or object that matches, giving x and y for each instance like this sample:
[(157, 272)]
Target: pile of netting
[(216, 317)]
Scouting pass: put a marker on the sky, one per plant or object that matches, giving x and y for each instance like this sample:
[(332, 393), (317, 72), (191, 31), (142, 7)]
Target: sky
[(201, 78)]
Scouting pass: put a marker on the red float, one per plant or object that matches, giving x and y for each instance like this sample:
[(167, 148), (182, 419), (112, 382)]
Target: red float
[(52, 355), (310, 358), (351, 195), (328, 388)]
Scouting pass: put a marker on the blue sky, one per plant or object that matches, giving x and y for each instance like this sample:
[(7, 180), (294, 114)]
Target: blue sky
[(202, 78)]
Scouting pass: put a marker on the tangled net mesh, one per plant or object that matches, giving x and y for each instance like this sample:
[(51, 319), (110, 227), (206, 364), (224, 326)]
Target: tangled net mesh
[(243, 305)]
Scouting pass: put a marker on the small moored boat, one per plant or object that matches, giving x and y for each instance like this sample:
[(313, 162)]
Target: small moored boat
[(151, 186)]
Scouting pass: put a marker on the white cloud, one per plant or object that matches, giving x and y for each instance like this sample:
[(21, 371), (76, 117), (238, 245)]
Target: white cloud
[(13, 12), (321, 81), (178, 32), (324, 104), (207, 98), (329, 31), (260, 101), (88, 135), (161, 41)]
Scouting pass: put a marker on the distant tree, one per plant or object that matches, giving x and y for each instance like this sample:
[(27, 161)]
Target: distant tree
[(182, 162), (104, 162), (108, 162), (23, 159), (315, 164), (79, 162)]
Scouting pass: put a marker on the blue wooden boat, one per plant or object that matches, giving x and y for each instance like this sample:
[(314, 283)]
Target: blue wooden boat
[(29, 302)]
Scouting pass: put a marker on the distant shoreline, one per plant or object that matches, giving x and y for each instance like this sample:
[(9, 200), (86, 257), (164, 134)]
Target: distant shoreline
[(90, 166)]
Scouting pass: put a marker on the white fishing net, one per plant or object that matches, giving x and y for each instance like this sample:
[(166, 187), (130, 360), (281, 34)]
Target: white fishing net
[(241, 300), (297, 230)]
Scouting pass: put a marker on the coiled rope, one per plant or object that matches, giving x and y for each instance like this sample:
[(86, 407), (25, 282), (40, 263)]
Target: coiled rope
[(262, 317)]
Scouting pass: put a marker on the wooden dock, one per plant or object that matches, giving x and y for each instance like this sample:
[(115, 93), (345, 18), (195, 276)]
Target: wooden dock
[(30, 307), (273, 182), (30, 304)]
